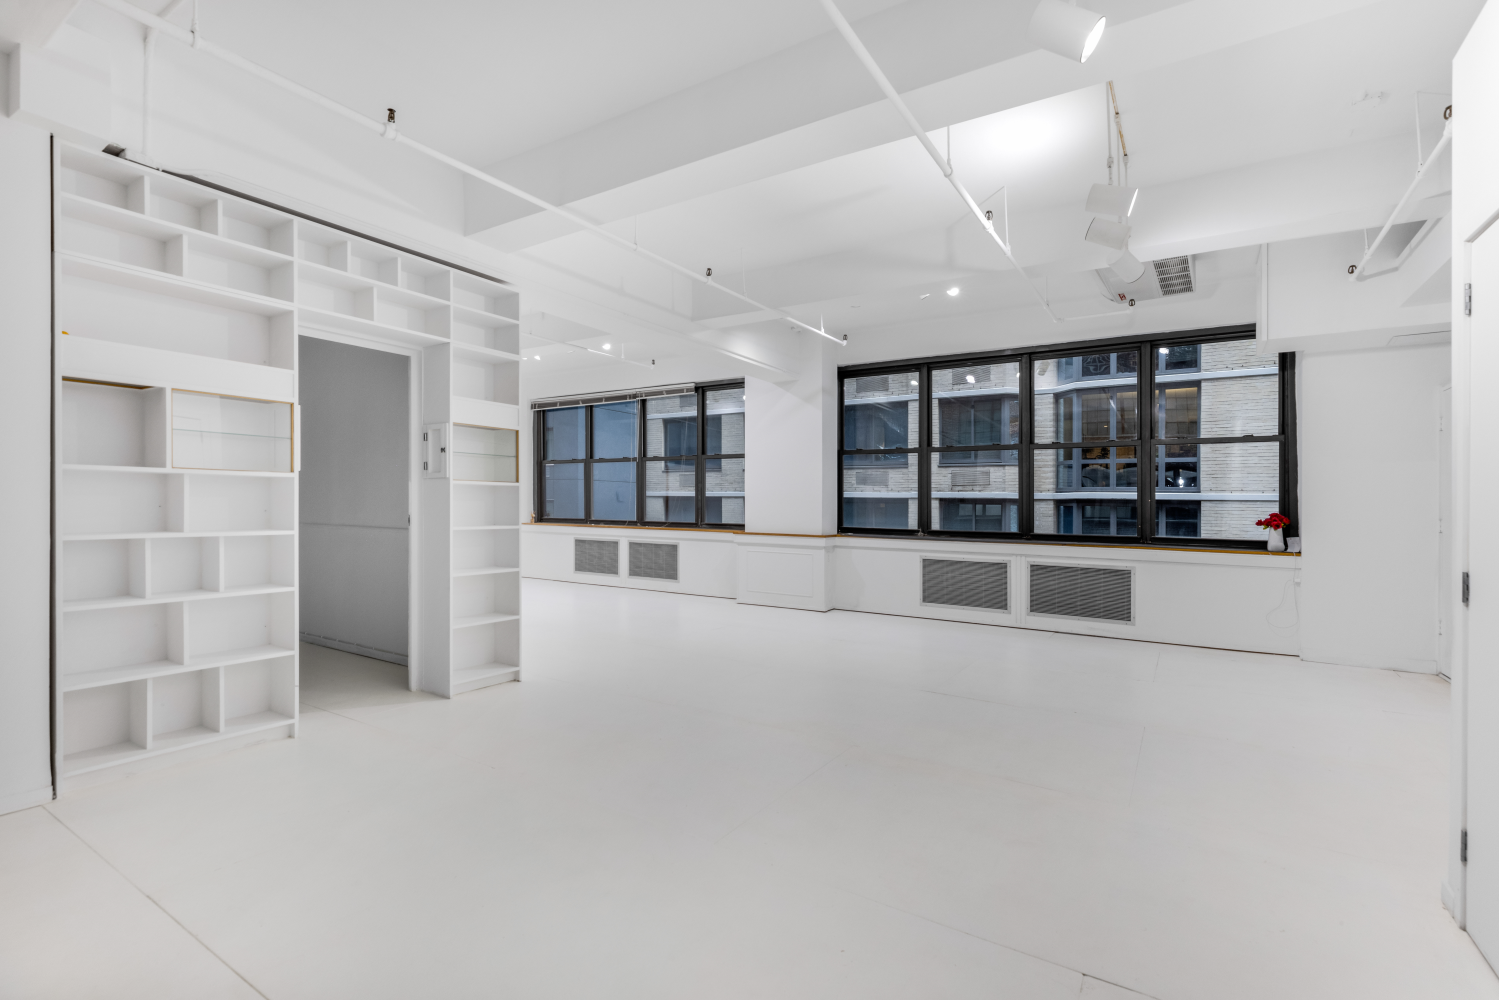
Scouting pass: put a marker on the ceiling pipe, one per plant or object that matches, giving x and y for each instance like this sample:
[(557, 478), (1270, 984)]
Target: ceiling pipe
[(388, 130), (1355, 271), (873, 67)]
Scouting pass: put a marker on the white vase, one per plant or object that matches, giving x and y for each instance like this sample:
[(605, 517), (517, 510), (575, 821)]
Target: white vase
[(1277, 540)]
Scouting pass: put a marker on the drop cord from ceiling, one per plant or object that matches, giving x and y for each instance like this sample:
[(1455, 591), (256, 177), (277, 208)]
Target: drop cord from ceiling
[(194, 39), (945, 165)]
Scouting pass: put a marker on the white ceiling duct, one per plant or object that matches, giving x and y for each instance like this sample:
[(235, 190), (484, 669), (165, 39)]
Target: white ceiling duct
[(1126, 267), (1114, 235), (1067, 30), (1111, 199)]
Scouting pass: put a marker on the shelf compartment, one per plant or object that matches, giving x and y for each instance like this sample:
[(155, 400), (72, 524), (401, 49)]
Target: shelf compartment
[(107, 536), (495, 381), (154, 227), (161, 283), (321, 274), (488, 355), (97, 505), (334, 322), (176, 472), (95, 760), (488, 675), (485, 654), (226, 627), (210, 431), (485, 551), (103, 725), (254, 689), (185, 705), (233, 505), (486, 571), (478, 597), (122, 641), (111, 425), (487, 300), (480, 505), (484, 454), (160, 668), (116, 361)]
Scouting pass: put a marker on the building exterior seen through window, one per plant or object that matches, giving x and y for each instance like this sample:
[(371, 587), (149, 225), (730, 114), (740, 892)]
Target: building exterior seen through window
[(663, 460), (1142, 442)]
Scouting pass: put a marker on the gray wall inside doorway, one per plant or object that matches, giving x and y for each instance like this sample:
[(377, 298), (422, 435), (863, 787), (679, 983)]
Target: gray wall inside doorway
[(354, 498)]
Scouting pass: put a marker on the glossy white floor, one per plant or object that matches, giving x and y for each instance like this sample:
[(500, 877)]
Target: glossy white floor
[(692, 799)]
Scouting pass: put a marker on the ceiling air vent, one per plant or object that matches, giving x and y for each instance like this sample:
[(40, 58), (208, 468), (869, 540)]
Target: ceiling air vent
[(1174, 275), (593, 556), (1083, 592), (965, 583), (653, 560)]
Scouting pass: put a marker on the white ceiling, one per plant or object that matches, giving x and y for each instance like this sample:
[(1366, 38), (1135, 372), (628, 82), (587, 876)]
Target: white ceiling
[(745, 137)]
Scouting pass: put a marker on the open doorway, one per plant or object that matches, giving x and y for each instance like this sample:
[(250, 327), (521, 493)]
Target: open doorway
[(354, 515)]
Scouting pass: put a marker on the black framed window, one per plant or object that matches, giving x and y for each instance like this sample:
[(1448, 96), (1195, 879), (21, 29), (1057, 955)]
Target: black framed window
[(1187, 439), (671, 460)]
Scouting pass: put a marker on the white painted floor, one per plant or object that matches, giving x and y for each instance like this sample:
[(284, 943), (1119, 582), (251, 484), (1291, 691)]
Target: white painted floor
[(691, 799)]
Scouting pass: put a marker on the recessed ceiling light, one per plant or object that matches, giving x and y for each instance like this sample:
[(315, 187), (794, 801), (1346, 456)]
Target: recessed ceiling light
[(606, 347), (953, 290), (538, 357), (1069, 31)]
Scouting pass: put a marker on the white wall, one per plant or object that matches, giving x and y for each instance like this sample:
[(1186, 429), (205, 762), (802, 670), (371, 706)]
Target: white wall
[(355, 542), (1369, 494), (25, 454)]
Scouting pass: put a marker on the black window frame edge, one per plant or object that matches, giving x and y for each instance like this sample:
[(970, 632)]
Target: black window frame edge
[(1145, 510), (539, 462)]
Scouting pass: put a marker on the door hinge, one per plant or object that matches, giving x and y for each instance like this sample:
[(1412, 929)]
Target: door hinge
[(1465, 588), (1468, 299), (1463, 848)]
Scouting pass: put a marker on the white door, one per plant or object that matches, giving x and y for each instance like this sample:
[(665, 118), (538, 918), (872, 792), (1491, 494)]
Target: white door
[(1483, 606)]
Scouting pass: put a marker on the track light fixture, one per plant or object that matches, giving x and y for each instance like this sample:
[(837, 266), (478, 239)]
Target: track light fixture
[(1066, 29)]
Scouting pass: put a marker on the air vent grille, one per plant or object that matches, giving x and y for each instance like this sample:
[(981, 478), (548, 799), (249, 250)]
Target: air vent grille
[(965, 583), (1082, 592), (593, 556), (871, 383), (653, 560), (1174, 274)]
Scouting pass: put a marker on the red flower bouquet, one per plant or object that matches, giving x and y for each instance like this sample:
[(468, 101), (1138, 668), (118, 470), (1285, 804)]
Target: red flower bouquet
[(1273, 521)]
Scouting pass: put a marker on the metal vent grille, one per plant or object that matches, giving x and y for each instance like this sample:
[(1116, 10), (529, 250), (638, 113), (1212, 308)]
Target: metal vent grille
[(964, 583), (593, 556), (1082, 592), (872, 383), (1174, 274), (974, 376), (653, 560)]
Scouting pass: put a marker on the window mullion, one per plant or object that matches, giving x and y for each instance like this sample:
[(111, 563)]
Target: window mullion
[(1026, 446), (1148, 432), (923, 450)]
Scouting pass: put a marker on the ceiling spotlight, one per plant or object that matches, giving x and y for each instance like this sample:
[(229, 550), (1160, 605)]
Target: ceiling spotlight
[(1111, 199), (953, 290), (1113, 235), (538, 357), (1068, 31), (606, 347), (1127, 267)]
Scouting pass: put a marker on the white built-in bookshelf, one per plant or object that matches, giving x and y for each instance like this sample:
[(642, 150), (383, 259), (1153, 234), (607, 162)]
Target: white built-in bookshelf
[(176, 457)]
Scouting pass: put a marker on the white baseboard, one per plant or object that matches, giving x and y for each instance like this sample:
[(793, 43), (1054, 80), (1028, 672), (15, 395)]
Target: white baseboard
[(356, 648)]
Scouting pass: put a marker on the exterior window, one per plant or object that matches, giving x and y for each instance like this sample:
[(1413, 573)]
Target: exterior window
[(1182, 441), (671, 460)]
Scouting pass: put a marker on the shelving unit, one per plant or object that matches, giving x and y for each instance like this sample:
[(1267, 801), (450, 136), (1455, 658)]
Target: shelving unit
[(176, 459)]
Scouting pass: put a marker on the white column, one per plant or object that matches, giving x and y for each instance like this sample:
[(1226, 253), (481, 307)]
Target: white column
[(791, 490), (25, 502)]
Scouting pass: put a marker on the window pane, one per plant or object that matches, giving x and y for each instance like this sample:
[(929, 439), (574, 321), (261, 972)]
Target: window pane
[(562, 433), (614, 430), (671, 490), (562, 491), (979, 495), (724, 486), (880, 411), (1230, 401), (1180, 358), (1086, 491), (725, 430), (671, 426), (613, 491), (1238, 484), (883, 497), (1069, 409), (976, 404)]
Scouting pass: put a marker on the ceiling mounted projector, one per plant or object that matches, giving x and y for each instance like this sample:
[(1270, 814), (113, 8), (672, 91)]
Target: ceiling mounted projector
[(1066, 30), (1127, 268), (1110, 199), (1114, 235)]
